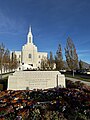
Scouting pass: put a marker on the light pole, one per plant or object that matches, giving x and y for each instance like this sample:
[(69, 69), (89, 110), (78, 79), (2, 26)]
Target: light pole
[(57, 80)]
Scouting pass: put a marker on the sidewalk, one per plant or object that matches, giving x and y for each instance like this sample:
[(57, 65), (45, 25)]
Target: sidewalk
[(74, 80)]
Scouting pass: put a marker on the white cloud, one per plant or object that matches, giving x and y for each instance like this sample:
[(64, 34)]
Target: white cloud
[(84, 55), (83, 51), (9, 25)]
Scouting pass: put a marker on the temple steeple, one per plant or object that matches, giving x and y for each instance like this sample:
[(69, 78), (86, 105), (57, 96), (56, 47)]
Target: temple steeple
[(30, 29), (30, 36)]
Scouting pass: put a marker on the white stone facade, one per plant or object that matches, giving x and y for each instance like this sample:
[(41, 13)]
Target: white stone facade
[(21, 80), (29, 54)]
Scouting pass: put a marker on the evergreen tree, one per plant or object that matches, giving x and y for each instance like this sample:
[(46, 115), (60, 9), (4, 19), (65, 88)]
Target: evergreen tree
[(51, 61), (13, 62), (71, 55), (59, 59), (80, 65)]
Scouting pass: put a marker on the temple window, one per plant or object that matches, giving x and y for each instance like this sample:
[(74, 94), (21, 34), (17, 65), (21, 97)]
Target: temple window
[(30, 56)]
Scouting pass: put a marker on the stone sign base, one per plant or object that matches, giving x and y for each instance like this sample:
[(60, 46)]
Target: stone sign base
[(29, 80)]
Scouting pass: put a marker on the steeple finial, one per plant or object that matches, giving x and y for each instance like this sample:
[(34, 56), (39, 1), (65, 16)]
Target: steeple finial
[(30, 30)]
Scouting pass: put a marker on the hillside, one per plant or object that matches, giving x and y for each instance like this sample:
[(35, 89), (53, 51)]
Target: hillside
[(85, 65)]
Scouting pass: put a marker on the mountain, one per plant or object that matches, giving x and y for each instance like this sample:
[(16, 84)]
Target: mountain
[(85, 65)]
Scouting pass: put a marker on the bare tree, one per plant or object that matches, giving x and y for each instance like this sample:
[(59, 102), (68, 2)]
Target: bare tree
[(44, 64), (59, 59), (6, 59), (2, 50), (71, 55)]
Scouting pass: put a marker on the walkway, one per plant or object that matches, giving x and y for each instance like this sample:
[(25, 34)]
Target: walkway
[(74, 80)]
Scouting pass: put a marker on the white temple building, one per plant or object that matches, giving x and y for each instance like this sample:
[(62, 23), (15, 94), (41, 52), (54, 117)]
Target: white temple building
[(29, 57)]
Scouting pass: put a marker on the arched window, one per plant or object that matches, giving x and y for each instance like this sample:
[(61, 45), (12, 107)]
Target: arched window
[(39, 56), (29, 39), (30, 56)]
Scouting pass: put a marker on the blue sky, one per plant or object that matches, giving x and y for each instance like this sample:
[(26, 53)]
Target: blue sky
[(52, 22)]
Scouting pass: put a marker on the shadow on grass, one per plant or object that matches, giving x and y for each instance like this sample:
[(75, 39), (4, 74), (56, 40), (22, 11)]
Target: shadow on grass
[(3, 83)]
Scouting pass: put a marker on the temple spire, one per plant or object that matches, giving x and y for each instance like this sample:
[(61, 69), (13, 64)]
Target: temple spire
[(30, 29), (30, 36)]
